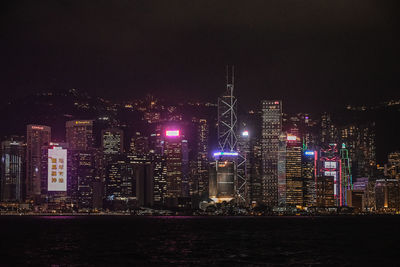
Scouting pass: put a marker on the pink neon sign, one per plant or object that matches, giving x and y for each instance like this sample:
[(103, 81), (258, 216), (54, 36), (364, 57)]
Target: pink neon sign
[(172, 133)]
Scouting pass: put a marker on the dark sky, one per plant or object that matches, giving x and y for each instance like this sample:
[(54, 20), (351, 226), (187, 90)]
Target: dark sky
[(312, 54)]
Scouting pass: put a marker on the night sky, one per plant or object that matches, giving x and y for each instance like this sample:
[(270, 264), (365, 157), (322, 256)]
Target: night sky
[(314, 55)]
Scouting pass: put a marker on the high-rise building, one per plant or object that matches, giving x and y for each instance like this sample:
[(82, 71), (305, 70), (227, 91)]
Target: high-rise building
[(324, 191), (159, 177), (393, 167), (201, 168), (174, 162), (143, 171), (139, 144), (387, 194), (79, 134), (222, 177), (294, 181), (308, 174), (360, 143), (245, 144), (328, 132), (329, 165), (271, 128), (112, 141), (12, 170), (228, 144), (120, 179), (37, 137), (84, 174), (282, 158), (57, 185)]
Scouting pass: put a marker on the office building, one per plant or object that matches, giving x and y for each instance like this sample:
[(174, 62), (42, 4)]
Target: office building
[(37, 136), (325, 191), (294, 181), (79, 134), (12, 170), (112, 141), (271, 129)]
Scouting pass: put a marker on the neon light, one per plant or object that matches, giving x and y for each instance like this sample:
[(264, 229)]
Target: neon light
[(37, 127), (221, 153), (245, 133), (340, 183), (276, 102), (172, 133), (82, 122), (291, 138), (315, 169), (309, 153)]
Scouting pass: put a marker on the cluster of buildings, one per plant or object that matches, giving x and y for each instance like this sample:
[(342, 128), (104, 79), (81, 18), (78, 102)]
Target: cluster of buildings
[(261, 159)]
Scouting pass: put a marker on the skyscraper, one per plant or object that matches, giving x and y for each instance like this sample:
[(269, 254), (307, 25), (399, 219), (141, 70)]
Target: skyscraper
[(56, 184), (308, 174), (79, 134), (271, 128), (36, 137), (202, 157), (227, 145), (112, 141), (173, 160), (12, 163), (294, 182), (329, 165)]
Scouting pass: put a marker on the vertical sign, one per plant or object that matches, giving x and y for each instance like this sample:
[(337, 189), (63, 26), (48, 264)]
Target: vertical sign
[(57, 169)]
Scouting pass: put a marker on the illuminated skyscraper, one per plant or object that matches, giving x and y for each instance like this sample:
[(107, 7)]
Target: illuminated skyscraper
[(329, 165), (160, 182), (329, 132), (227, 145), (143, 172), (37, 136), (139, 144), (294, 182), (112, 141), (201, 168), (84, 172), (79, 134), (282, 183), (174, 155), (120, 179), (12, 170), (324, 191), (360, 143), (56, 183), (308, 174), (271, 128), (387, 194), (222, 171)]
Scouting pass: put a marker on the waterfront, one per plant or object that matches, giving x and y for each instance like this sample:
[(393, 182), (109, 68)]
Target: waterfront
[(129, 240)]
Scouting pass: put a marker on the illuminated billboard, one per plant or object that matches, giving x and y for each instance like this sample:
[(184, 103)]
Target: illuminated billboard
[(291, 138), (330, 165), (57, 169), (172, 133)]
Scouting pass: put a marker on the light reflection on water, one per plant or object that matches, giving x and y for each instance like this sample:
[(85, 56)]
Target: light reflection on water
[(129, 240), (57, 217)]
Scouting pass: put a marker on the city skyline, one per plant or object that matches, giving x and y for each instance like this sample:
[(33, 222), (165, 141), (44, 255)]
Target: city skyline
[(199, 133)]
